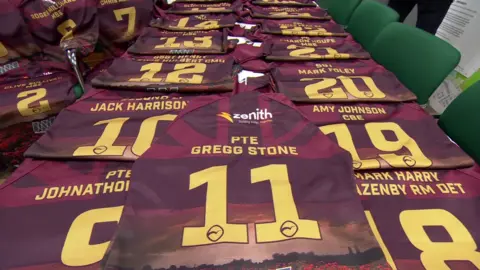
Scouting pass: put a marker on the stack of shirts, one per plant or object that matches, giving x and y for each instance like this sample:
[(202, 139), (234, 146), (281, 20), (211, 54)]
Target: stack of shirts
[(418, 188), (36, 81), (33, 88), (169, 162)]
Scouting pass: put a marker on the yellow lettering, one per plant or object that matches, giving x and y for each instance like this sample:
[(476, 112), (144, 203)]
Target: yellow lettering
[(52, 193), (64, 191)]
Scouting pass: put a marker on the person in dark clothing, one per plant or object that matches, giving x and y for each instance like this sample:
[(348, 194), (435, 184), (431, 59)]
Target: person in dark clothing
[(430, 12)]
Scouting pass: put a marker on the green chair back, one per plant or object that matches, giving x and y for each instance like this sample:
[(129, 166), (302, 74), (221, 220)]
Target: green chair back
[(420, 60), (461, 121), (340, 10), (323, 3), (368, 20)]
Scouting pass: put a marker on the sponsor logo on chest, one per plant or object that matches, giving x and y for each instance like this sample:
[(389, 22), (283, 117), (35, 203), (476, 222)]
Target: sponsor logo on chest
[(259, 116)]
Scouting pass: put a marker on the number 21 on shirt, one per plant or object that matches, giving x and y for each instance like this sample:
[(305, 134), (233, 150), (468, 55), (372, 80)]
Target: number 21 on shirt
[(310, 52)]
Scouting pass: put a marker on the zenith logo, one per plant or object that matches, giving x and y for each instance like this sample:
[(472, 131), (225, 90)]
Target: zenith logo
[(226, 116), (256, 117)]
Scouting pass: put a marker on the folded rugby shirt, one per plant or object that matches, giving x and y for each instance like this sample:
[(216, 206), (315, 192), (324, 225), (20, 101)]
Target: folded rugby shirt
[(36, 98), (121, 22), (295, 27), (250, 184), (293, 48), (338, 81), (301, 3), (71, 207), (154, 41), (387, 136), (204, 8), (426, 219), (28, 68), (198, 22), (108, 125), (16, 41), (201, 1), (68, 24), (27, 109), (284, 12), (176, 73)]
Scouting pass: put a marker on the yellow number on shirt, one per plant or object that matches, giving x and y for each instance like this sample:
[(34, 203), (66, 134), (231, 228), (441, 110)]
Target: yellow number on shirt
[(350, 86), (416, 159), (173, 76), (345, 141), (184, 69), (216, 229), (131, 13), (295, 28), (152, 69), (169, 43), (308, 52), (207, 25), (105, 147), (77, 250), (30, 97), (434, 255), (287, 224), (206, 42), (66, 29), (313, 90), (182, 23), (3, 50), (300, 31), (203, 42), (298, 51), (147, 133)]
